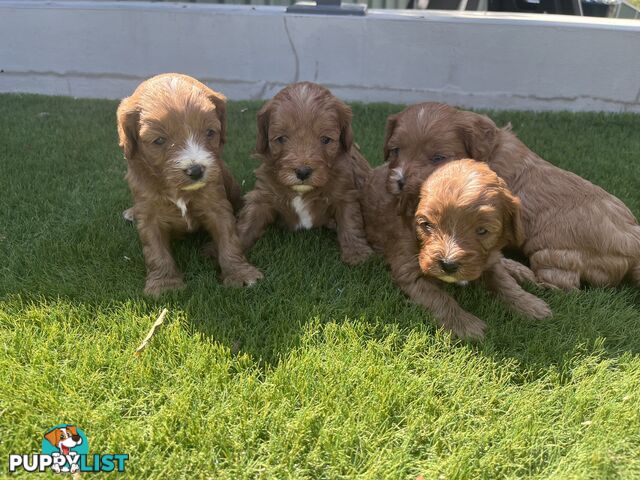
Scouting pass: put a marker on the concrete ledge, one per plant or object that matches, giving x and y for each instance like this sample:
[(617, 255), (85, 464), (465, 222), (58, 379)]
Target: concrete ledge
[(479, 60)]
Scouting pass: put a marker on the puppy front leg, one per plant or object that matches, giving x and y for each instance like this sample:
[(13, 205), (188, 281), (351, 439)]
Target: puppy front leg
[(445, 309), (354, 248), (499, 281), (221, 224), (162, 272), (256, 215)]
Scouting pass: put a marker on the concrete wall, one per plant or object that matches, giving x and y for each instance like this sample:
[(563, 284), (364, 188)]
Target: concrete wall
[(504, 61)]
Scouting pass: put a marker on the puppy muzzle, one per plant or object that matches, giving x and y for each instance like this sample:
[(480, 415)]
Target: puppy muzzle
[(195, 172), (196, 175)]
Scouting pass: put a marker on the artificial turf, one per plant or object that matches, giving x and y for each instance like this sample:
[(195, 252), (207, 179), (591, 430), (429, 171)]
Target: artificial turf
[(319, 371)]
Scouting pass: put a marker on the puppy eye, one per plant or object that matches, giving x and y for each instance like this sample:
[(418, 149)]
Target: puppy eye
[(326, 140), (211, 133), (159, 141), (438, 159), (395, 151), (281, 139), (425, 225), (481, 231)]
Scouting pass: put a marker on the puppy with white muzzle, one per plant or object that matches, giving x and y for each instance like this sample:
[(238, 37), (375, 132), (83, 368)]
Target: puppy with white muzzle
[(172, 130)]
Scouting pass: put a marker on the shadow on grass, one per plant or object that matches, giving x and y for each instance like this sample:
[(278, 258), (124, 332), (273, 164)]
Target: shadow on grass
[(99, 262)]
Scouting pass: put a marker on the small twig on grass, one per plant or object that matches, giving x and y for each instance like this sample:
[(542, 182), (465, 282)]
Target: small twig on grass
[(152, 332)]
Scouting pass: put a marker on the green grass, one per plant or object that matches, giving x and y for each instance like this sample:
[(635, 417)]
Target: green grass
[(321, 370)]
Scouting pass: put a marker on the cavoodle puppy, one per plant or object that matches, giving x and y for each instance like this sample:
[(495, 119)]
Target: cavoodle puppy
[(172, 130), (574, 231), (310, 170), (464, 217)]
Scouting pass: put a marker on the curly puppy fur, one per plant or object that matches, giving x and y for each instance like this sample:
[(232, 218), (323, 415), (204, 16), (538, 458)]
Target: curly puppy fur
[(172, 130), (575, 232), (465, 216), (310, 170)]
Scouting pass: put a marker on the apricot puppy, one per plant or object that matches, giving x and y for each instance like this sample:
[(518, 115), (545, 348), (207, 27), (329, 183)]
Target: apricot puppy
[(465, 216), (172, 130), (310, 170), (574, 231)]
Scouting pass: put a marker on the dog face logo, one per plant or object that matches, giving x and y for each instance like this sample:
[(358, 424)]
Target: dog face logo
[(64, 438), (68, 442)]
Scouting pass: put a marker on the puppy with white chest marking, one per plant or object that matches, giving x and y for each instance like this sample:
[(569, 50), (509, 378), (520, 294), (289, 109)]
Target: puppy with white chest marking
[(464, 217), (172, 130), (310, 170)]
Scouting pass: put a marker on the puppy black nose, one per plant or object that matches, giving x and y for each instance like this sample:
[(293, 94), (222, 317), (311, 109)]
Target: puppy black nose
[(303, 172), (195, 172), (448, 266), (401, 183), (75, 438)]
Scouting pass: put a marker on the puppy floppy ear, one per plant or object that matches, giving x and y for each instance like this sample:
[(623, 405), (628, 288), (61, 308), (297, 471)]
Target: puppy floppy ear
[(480, 135), (220, 101), (345, 116), (513, 228), (262, 138), (72, 429), (407, 204), (128, 118), (54, 437), (392, 122)]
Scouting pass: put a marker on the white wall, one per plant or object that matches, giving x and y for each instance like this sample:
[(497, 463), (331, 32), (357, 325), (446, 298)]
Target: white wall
[(504, 61)]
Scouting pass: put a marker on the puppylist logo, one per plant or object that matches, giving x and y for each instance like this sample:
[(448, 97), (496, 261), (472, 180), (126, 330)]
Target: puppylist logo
[(65, 449)]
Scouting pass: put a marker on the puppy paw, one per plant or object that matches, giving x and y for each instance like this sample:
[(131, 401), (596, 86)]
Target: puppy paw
[(155, 286), (357, 255), (467, 327), (549, 286), (536, 308), (520, 273), (128, 215), (243, 276), (557, 279)]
